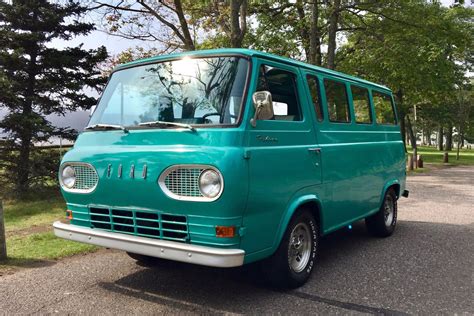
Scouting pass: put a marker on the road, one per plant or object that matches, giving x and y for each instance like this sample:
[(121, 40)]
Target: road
[(426, 267)]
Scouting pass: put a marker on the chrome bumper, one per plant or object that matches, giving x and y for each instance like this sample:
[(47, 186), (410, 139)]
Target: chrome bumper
[(207, 256)]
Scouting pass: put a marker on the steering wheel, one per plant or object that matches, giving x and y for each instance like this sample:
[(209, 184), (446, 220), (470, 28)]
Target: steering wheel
[(211, 114), (204, 117)]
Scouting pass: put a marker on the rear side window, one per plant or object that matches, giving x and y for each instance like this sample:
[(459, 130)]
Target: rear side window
[(315, 97), (282, 85), (360, 99), (384, 111), (336, 97)]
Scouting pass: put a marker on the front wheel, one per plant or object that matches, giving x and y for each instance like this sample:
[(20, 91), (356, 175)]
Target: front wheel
[(291, 265), (382, 223)]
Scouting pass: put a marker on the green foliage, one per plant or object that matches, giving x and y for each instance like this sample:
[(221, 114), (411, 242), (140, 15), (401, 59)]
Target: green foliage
[(37, 80), (418, 50)]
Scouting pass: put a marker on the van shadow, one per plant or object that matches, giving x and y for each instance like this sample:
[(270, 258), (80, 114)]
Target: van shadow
[(346, 254)]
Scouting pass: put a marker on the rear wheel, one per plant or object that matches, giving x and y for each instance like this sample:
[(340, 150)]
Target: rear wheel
[(291, 265), (382, 223)]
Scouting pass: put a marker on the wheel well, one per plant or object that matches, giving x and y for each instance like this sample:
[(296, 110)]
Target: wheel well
[(396, 188), (315, 209)]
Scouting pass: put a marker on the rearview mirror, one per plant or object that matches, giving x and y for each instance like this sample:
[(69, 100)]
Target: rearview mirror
[(92, 110), (262, 101)]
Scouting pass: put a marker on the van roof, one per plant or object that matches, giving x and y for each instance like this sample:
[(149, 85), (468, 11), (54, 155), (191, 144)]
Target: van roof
[(251, 53)]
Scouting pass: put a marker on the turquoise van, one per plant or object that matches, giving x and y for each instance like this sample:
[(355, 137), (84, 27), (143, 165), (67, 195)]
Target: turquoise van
[(231, 156)]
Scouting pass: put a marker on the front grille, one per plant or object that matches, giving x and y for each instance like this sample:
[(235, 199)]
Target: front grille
[(86, 177), (140, 223), (184, 182)]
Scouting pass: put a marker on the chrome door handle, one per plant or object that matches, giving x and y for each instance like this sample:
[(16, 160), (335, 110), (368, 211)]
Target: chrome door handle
[(315, 149)]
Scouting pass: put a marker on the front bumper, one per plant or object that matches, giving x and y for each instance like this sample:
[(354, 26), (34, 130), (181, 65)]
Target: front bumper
[(207, 256)]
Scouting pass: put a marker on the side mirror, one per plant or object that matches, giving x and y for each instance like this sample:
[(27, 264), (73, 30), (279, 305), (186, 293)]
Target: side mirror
[(262, 101), (92, 110)]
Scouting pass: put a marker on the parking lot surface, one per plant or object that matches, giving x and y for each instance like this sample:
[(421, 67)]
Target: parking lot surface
[(426, 267)]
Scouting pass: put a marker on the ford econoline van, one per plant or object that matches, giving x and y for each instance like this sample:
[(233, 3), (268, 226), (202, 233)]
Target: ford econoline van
[(231, 156)]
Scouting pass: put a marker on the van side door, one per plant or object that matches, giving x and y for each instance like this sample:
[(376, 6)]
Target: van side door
[(281, 153)]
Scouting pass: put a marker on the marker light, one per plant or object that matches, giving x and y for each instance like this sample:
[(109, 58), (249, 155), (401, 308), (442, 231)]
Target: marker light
[(225, 231), (69, 214)]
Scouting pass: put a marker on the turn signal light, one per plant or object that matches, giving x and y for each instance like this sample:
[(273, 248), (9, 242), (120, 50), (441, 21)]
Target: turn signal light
[(225, 231), (69, 214)]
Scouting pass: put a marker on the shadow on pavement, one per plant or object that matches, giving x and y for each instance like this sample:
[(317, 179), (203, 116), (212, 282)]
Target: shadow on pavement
[(422, 268)]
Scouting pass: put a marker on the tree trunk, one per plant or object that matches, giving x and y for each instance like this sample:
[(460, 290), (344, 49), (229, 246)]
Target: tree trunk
[(303, 29), (428, 137), (458, 148), (332, 33), (23, 166), (440, 138), (188, 40), (412, 138), (403, 131), (238, 22), (315, 56), (449, 139)]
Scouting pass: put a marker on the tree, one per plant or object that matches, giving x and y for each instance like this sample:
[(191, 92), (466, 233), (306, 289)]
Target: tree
[(175, 24), (420, 62), (37, 79)]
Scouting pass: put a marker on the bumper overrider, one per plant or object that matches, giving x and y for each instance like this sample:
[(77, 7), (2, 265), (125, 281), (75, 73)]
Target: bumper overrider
[(207, 256)]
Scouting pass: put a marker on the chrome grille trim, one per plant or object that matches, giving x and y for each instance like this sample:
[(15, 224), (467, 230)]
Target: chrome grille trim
[(138, 222), (181, 182), (86, 177)]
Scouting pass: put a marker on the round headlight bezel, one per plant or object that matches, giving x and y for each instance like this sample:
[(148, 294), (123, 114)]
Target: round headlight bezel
[(210, 178), (68, 180)]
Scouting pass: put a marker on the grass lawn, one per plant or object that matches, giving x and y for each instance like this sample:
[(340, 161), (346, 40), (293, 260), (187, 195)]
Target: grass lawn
[(434, 156), (30, 240)]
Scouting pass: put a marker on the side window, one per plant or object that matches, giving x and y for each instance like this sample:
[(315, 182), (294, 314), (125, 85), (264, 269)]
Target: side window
[(360, 99), (315, 97), (336, 97), (383, 108), (282, 85)]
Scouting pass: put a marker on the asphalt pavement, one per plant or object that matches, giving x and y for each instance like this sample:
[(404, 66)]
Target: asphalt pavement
[(426, 267)]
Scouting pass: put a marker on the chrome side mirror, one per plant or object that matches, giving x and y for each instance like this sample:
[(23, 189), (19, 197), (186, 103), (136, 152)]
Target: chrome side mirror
[(262, 101)]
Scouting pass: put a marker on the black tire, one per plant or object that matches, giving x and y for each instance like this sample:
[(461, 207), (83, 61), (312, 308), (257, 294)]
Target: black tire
[(382, 223), (147, 261), (277, 269)]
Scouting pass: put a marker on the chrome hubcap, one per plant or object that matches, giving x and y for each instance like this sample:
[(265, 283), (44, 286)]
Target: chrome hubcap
[(299, 250), (388, 211)]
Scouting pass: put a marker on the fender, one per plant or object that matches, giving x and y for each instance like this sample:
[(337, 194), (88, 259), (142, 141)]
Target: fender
[(387, 185), (291, 209)]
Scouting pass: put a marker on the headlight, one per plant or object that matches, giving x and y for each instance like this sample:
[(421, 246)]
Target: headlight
[(68, 177), (210, 183)]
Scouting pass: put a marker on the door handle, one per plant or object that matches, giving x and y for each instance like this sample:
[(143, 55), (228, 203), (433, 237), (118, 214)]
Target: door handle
[(315, 149)]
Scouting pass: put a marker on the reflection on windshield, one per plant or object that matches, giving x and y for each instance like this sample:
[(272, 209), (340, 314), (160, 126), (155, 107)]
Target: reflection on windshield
[(188, 91)]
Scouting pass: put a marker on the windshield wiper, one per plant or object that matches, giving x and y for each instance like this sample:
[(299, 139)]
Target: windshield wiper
[(164, 123), (96, 127)]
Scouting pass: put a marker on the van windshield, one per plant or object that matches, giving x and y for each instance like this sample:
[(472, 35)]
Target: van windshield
[(198, 91)]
